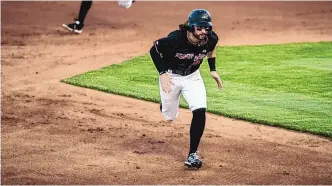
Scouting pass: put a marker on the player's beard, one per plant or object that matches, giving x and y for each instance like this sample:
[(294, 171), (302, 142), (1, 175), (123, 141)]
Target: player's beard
[(197, 39), (200, 37)]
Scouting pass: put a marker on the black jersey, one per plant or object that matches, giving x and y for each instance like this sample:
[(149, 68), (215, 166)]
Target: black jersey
[(178, 54)]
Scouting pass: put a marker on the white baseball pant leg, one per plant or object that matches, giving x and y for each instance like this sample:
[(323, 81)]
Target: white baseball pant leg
[(193, 91), (170, 102)]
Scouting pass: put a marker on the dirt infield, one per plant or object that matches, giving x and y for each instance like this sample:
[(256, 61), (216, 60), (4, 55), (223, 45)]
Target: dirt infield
[(54, 133)]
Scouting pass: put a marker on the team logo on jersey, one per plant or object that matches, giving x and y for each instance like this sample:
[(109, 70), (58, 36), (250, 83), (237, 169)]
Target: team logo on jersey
[(198, 59), (184, 56), (204, 51)]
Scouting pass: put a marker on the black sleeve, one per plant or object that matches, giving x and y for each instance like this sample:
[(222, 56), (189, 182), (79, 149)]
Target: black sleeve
[(161, 48), (213, 40), (157, 60)]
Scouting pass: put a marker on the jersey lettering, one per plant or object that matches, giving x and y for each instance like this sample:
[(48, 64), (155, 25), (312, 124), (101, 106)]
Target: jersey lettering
[(184, 56)]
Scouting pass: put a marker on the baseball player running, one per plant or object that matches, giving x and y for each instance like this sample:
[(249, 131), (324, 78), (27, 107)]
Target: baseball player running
[(78, 25), (177, 58)]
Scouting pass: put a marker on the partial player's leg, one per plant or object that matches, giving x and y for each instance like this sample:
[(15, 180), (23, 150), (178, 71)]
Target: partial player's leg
[(195, 94), (170, 102), (78, 25), (196, 131), (85, 7)]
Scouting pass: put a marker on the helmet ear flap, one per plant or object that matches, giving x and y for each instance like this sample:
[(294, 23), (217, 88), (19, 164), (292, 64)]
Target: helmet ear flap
[(191, 28), (210, 30)]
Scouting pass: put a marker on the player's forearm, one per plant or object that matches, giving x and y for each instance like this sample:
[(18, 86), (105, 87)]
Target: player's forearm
[(157, 60)]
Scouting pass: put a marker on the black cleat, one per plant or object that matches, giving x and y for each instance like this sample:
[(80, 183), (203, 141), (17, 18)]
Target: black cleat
[(74, 27), (193, 161)]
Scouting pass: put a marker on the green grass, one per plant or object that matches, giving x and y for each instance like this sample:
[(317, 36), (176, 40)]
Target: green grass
[(287, 85)]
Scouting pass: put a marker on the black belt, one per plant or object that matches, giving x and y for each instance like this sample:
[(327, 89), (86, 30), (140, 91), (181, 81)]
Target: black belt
[(182, 73)]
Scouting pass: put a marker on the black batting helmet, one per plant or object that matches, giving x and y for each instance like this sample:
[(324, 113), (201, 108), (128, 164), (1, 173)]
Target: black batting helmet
[(200, 18)]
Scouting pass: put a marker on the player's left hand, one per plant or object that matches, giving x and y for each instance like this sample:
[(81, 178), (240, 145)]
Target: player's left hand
[(125, 3), (216, 77)]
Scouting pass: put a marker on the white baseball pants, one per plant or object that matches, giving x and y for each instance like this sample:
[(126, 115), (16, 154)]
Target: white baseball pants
[(191, 87)]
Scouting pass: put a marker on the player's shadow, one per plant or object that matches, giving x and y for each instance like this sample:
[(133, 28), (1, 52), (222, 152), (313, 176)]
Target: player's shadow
[(63, 32)]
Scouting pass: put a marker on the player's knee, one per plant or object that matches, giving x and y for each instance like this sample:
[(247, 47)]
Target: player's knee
[(199, 110), (169, 116), (170, 119), (199, 113)]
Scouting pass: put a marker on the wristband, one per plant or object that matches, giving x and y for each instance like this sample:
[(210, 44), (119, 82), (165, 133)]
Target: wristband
[(212, 64)]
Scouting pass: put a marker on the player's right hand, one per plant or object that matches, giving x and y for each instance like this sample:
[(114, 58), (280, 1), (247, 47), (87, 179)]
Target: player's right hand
[(166, 83)]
